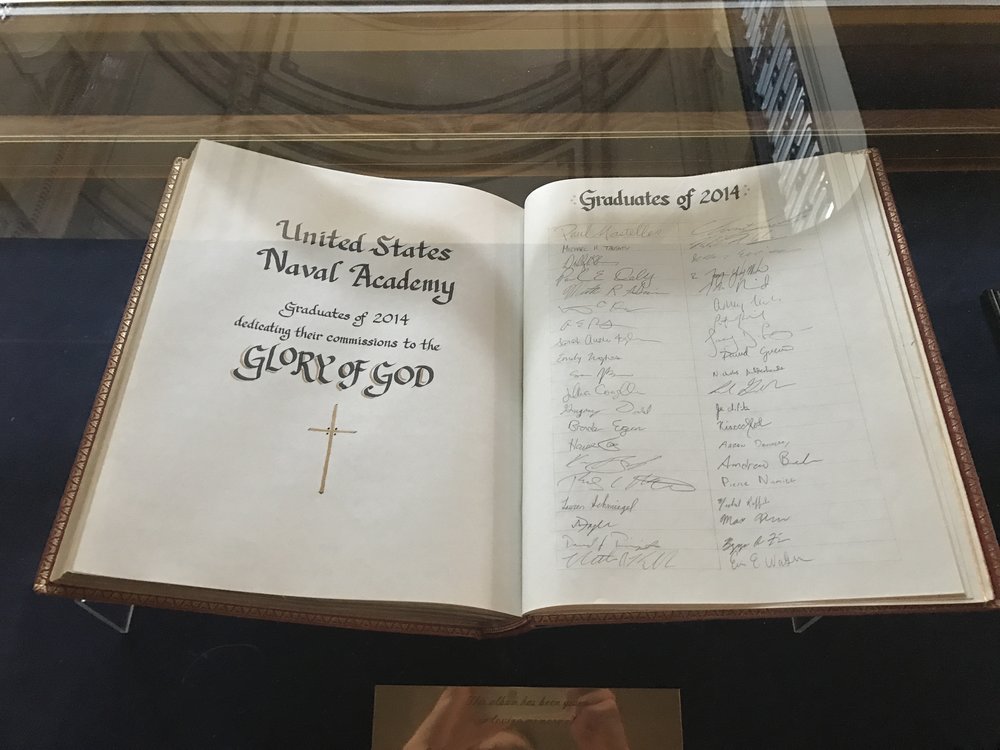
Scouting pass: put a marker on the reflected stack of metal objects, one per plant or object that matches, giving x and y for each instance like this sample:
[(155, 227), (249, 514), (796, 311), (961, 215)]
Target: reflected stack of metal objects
[(796, 86)]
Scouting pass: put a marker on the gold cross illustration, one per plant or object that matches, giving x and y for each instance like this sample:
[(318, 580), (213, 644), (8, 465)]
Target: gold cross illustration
[(330, 432)]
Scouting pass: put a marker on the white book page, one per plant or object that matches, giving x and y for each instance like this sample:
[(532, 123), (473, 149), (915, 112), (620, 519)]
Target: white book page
[(288, 291), (715, 411)]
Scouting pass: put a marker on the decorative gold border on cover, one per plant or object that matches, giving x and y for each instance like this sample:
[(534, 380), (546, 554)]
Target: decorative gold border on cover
[(963, 456), (43, 583), (275, 614), (639, 617)]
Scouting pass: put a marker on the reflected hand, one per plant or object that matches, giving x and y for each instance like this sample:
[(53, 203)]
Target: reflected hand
[(452, 724), (597, 724)]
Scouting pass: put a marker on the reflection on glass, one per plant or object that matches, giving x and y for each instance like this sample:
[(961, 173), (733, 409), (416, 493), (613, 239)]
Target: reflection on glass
[(98, 107)]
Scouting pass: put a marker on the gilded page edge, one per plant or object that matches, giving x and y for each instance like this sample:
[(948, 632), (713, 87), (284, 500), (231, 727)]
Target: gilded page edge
[(639, 617), (43, 583), (942, 386), (209, 605)]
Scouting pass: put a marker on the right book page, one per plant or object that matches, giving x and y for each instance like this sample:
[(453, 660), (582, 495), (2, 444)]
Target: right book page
[(726, 401)]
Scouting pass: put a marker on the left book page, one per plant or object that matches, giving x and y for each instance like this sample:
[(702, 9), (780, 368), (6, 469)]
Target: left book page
[(321, 397)]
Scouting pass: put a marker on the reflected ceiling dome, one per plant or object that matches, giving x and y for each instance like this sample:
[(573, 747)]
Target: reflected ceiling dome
[(412, 78)]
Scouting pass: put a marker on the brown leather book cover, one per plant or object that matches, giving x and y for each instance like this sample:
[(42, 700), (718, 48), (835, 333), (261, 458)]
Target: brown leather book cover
[(282, 609)]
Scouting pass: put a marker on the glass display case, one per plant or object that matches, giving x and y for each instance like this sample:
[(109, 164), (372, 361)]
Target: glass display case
[(97, 106), (97, 100)]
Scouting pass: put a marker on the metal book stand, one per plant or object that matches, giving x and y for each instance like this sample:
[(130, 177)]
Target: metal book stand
[(118, 617)]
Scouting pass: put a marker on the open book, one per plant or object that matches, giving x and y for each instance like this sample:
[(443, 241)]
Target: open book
[(405, 405)]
